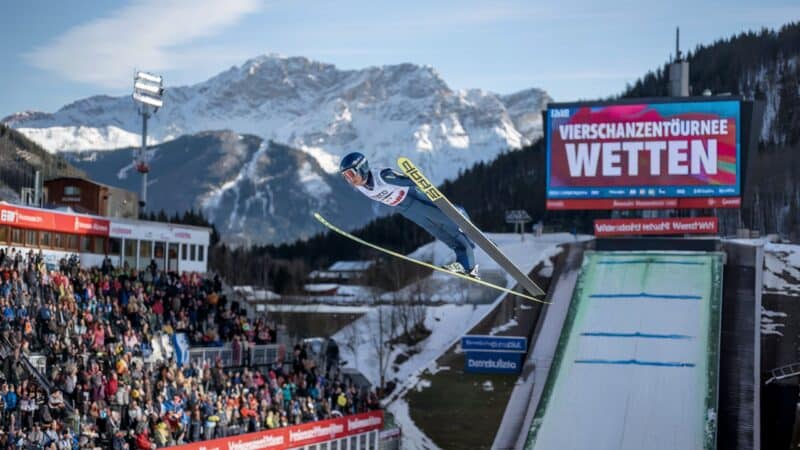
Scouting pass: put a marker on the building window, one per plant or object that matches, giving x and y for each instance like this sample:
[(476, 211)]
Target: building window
[(3, 234), (200, 250), (145, 251), (58, 241), (86, 244), (16, 236), (71, 242), (183, 251), (130, 253), (114, 246), (192, 252), (72, 190), (159, 251), (99, 245), (30, 237), (44, 238)]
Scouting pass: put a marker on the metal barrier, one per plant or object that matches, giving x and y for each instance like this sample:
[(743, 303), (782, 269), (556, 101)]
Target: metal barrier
[(260, 355), (38, 375), (783, 372)]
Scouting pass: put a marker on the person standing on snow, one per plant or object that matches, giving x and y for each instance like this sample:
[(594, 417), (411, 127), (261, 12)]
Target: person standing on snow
[(400, 193)]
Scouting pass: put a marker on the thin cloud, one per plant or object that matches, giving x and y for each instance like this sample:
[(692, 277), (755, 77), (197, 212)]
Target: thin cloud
[(143, 35)]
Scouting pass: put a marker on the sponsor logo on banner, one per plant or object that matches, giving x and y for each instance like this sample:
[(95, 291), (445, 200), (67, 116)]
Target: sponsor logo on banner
[(23, 217), (8, 216), (494, 343), (257, 444), (357, 424), (673, 225), (493, 362), (327, 431), (116, 230)]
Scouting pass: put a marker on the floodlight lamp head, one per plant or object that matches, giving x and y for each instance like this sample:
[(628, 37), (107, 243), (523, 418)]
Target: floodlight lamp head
[(147, 100), (149, 77)]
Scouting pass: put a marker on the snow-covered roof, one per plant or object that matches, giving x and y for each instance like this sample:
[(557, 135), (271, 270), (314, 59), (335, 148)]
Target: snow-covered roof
[(350, 266), (326, 274), (320, 287), (256, 294)]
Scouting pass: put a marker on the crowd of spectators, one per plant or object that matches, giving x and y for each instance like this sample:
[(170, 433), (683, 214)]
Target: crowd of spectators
[(103, 385)]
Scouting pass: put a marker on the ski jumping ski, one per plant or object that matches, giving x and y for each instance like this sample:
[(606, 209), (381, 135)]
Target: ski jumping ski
[(477, 236), (339, 231)]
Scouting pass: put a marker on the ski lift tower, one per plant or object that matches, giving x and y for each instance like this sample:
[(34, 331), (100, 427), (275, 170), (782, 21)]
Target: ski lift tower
[(148, 90)]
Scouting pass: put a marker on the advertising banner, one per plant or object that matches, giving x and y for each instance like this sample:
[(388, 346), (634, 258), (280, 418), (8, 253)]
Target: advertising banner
[(673, 225), (494, 343), (37, 219), (493, 362), (294, 436), (647, 203), (643, 151)]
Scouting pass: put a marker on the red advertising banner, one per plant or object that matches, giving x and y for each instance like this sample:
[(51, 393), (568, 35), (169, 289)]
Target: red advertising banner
[(294, 436), (673, 225), (650, 203), (37, 219)]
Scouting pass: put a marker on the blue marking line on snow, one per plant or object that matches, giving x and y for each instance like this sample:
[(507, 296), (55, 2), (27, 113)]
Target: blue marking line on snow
[(647, 261), (646, 295), (634, 362), (636, 335)]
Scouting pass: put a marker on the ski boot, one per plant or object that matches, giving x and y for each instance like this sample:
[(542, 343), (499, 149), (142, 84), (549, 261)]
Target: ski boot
[(456, 267)]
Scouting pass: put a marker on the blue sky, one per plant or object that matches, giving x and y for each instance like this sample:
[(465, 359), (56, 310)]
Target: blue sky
[(55, 52)]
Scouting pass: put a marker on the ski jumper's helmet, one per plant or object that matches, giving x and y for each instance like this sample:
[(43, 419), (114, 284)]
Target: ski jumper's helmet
[(352, 164)]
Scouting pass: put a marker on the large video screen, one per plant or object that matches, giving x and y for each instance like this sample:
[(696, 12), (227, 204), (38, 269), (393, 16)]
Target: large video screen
[(654, 150)]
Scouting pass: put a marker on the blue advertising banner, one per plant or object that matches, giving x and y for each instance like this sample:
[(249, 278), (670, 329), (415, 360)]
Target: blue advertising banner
[(493, 362), (494, 343)]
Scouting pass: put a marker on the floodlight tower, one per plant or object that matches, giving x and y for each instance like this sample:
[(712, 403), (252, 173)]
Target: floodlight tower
[(148, 90)]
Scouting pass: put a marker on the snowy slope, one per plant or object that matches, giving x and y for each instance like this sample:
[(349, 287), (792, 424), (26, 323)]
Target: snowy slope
[(782, 269), (383, 111), (642, 331)]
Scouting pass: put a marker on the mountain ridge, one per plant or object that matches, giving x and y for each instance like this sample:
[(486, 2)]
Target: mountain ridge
[(383, 111)]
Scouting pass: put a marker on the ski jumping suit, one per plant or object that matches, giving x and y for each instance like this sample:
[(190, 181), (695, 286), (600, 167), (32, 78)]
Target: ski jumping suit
[(400, 193)]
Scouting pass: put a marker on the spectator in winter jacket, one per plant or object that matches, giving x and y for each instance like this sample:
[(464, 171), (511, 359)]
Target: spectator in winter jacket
[(143, 440), (10, 399)]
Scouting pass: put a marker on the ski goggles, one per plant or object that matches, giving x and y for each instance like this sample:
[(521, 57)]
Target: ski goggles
[(351, 174)]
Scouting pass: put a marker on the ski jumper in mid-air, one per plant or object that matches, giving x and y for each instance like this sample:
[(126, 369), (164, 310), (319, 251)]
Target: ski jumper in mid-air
[(401, 194)]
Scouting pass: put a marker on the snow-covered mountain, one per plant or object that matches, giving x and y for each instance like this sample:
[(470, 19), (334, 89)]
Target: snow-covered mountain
[(385, 112)]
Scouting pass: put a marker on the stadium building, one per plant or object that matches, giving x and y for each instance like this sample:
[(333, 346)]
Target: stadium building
[(136, 243)]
